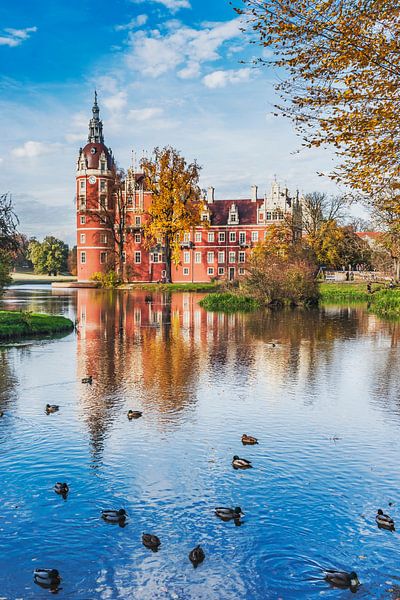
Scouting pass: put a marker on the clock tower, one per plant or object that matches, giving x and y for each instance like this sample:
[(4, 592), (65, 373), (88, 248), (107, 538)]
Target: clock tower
[(94, 201)]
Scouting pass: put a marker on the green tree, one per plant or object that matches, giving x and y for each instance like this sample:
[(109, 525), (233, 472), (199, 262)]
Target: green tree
[(176, 203), (8, 238), (48, 257)]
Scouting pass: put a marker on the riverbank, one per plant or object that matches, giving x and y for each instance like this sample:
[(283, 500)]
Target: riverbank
[(172, 287), (229, 303), (20, 324), (31, 278)]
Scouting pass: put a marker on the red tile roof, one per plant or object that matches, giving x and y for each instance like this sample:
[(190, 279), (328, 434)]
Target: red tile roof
[(247, 211)]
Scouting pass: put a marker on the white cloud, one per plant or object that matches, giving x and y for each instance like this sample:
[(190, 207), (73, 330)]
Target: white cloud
[(155, 54), (15, 37), (138, 21), (172, 5), (32, 149), (145, 114), (116, 102), (219, 79)]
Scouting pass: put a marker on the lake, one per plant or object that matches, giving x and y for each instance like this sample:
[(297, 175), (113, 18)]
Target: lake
[(320, 389)]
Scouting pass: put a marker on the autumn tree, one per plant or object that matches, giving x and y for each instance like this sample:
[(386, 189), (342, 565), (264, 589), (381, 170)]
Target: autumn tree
[(339, 68), (386, 216), (48, 257), (318, 207), (176, 201)]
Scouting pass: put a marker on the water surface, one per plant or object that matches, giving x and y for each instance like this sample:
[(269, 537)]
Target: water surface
[(324, 403)]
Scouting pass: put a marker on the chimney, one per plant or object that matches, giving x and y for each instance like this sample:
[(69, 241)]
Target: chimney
[(254, 190), (210, 194)]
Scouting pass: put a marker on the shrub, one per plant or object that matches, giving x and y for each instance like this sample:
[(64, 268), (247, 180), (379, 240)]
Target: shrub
[(111, 279)]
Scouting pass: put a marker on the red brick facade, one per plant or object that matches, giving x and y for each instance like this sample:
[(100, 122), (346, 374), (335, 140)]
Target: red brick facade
[(220, 250)]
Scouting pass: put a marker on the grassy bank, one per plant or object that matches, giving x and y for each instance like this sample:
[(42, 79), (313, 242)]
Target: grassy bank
[(348, 292), (173, 287), (229, 303), (29, 278), (18, 324)]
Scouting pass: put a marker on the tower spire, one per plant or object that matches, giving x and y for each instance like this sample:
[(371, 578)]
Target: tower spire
[(95, 125)]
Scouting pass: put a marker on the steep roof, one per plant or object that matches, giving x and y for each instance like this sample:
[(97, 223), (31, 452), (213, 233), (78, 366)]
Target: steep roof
[(247, 210)]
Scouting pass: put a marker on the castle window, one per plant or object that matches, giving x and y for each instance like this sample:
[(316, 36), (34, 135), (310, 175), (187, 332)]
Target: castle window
[(232, 236), (138, 257), (103, 186), (242, 257), (186, 237), (138, 238), (186, 271), (210, 257), (261, 216), (269, 216), (103, 257), (83, 184), (274, 216), (254, 236), (232, 257), (83, 219), (210, 271), (138, 220), (197, 258), (82, 202), (83, 238), (198, 236), (210, 236), (103, 238), (103, 202), (241, 271), (221, 236), (221, 257), (242, 237), (186, 257), (102, 166), (221, 270), (83, 258)]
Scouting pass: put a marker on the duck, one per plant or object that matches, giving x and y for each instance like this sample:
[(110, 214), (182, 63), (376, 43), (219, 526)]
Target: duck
[(226, 514), (88, 379), (114, 516), (241, 463), (249, 440), (61, 488), (47, 576), (196, 556), (342, 579), (151, 541), (384, 521), (134, 414), (52, 408), (1, 414)]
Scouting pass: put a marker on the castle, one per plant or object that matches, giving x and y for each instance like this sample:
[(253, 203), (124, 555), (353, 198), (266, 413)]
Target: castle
[(218, 250)]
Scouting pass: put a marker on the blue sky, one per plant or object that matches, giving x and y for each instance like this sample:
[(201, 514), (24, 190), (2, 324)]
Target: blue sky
[(166, 71)]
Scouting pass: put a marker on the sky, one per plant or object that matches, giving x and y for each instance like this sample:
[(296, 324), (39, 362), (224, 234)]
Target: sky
[(167, 72)]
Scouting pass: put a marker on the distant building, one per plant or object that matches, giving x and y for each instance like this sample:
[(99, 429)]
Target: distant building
[(219, 250), (371, 237)]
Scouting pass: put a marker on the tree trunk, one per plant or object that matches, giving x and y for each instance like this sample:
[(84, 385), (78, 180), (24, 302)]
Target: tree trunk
[(396, 263), (168, 260)]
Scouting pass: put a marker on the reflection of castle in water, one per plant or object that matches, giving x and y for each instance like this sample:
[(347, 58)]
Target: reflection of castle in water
[(154, 348)]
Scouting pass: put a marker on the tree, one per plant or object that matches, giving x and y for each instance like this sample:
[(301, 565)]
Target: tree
[(317, 208), (49, 256), (8, 238), (386, 216), (340, 64), (176, 204), (72, 261), (282, 270), (113, 216), (20, 256)]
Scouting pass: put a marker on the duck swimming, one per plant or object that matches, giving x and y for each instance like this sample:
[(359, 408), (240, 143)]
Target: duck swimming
[(47, 577), (52, 408), (61, 488), (248, 440), (134, 414), (151, 541), (241, 463), (114, 516), (226, 514), (342, 579), (196, 556), (384, 521), (88, 380)]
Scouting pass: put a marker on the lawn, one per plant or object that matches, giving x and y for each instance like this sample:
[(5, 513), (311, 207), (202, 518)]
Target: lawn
[(18, 324)]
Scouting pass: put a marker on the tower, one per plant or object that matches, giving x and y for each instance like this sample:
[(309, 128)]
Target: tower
[(94, 201)]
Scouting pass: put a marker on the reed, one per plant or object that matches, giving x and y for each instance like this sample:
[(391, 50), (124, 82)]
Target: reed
[(229, 303)]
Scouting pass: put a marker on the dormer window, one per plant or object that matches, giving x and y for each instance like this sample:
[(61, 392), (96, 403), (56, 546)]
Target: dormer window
[(233, 216)]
